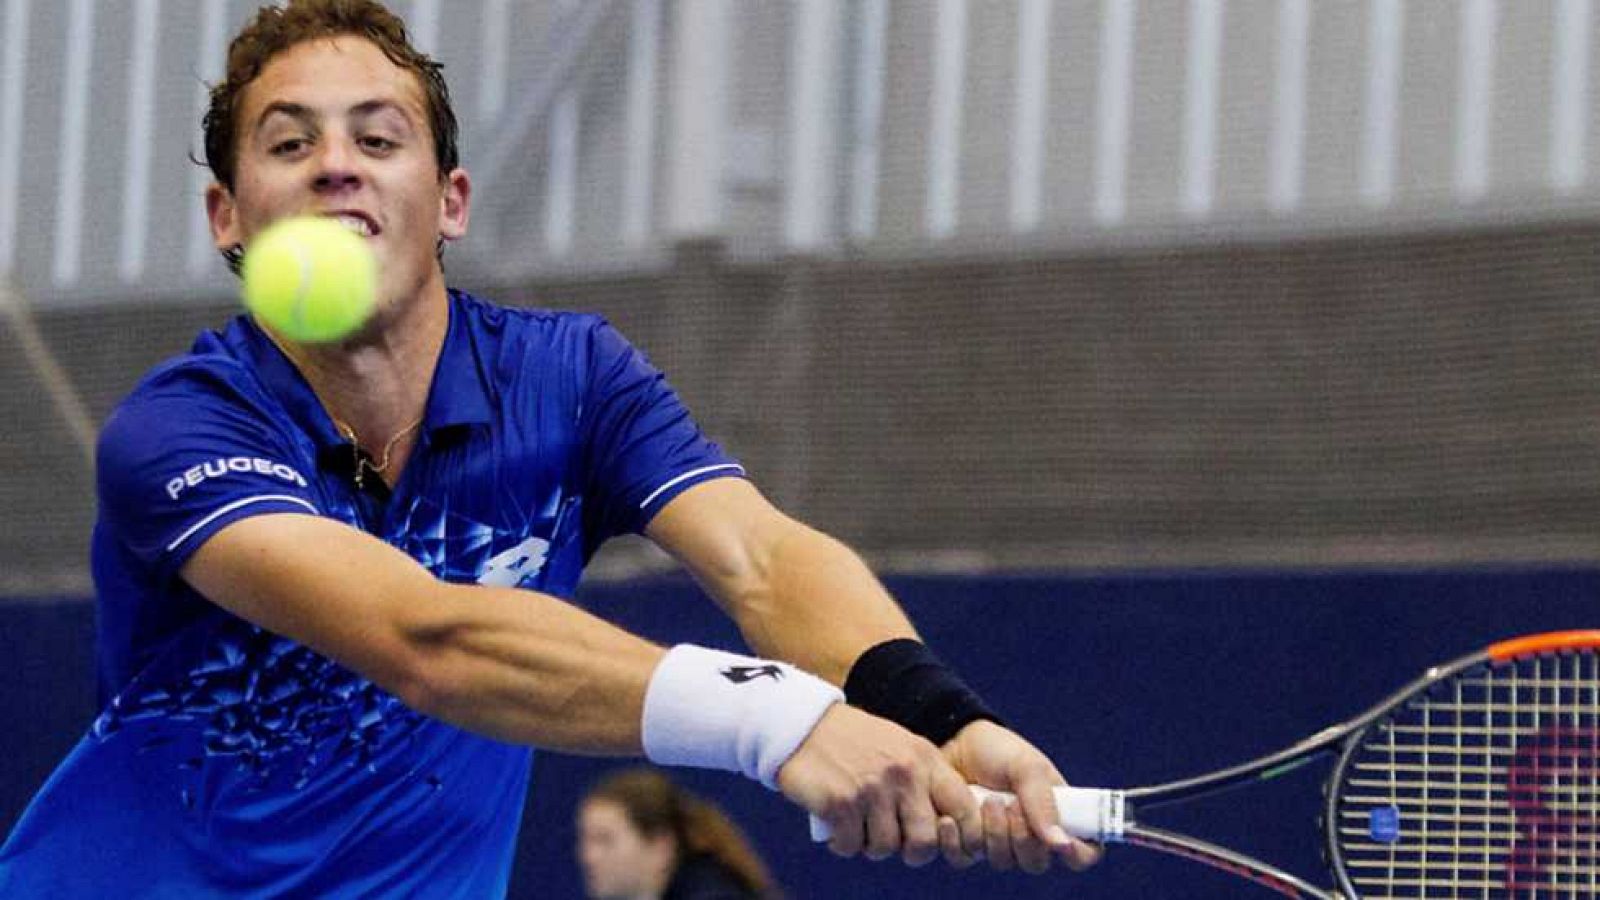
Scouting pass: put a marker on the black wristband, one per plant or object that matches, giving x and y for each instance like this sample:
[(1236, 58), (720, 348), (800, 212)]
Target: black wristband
[(902, 681)]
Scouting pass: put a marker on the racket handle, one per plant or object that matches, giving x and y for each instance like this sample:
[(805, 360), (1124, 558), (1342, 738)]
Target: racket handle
[(1094, 814)]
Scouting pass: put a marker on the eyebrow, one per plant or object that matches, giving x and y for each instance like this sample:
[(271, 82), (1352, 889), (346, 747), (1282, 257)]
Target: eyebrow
[(305, 115)]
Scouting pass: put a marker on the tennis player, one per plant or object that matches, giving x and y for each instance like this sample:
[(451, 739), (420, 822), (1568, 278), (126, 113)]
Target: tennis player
[(333, 581)]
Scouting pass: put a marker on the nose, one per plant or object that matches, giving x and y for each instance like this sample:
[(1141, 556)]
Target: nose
[(338, 166)]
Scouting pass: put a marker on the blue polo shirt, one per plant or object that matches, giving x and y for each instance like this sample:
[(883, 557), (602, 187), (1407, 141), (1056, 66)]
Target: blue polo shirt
[(229, 761)]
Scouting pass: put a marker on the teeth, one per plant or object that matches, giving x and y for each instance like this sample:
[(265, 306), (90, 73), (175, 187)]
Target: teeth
[(357, 224)]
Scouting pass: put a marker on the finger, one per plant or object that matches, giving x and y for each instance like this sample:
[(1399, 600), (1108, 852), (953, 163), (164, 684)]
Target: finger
[(848, 835), (849, 831), (952, 797), (919, 829), (846, 821), (1081, 854), (1032, 855), (950, 845), (997, 835), (1036, 794), (1036, 797), (883, 825)]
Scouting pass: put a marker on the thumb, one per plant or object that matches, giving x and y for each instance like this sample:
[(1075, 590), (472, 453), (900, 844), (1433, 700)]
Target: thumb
[(1035, 790)]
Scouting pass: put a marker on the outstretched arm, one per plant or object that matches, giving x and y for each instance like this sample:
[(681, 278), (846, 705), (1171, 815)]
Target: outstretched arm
[(529, 668), (800, 595)]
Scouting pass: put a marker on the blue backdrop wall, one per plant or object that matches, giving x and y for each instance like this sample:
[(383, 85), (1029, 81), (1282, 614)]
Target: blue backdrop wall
[(1124, 679)]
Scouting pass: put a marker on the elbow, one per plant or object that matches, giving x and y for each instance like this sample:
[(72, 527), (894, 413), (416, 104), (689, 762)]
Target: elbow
[(436, 682), (417, 667), (408, 674), (421, 690)]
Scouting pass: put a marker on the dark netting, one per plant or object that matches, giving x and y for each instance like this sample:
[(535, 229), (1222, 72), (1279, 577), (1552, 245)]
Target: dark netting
[(1402, 398), (1410, 398)]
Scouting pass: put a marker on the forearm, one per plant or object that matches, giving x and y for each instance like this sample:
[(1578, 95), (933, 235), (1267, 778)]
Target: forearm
[(516, 665), (529, 668), (796, 593), (816, 604)]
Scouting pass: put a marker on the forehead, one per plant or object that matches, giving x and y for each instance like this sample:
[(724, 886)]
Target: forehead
[(604, 814), (330, 75)]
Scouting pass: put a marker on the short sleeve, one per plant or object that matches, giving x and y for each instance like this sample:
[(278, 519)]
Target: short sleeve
[(188, 453), (643, 448)]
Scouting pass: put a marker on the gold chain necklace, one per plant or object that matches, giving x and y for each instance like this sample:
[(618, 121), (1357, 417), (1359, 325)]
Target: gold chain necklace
[(363, 463)]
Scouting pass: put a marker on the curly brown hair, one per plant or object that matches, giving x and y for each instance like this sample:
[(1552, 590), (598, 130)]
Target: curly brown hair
[(276, 29)]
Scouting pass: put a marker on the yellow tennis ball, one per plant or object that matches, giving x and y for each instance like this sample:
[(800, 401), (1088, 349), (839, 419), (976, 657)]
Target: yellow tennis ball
[(311, 278)]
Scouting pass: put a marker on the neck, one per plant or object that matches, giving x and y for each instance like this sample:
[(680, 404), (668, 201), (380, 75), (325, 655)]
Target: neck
[(375, 384), (657, 888)]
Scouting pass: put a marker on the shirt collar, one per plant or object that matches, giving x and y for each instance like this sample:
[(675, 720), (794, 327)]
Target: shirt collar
[(458, 396)]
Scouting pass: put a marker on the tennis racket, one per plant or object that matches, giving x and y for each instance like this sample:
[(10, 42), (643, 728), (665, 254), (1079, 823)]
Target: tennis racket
[(1481, 779)]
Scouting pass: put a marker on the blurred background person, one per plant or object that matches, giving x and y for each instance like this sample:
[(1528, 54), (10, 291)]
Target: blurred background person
[(642, 837)]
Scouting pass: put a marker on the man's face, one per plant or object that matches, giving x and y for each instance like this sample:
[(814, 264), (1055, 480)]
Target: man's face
[(617, 861), (332, 127)]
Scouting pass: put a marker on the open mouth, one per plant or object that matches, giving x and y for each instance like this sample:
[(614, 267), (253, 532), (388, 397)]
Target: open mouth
[(356, 222)]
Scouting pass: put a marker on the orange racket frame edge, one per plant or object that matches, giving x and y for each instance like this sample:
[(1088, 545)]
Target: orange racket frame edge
[(1549, 642)]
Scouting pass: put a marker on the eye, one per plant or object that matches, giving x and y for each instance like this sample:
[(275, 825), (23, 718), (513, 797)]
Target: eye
[(379, 144), (288, 147)]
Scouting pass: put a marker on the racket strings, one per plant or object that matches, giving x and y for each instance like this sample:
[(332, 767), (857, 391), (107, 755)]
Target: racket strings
[(1484, 786)]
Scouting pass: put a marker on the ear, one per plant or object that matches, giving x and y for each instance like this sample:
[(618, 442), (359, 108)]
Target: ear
[(455, 205), (223, 215)]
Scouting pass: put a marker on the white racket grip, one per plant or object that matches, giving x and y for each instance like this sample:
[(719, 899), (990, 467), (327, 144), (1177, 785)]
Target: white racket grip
[(1094, 814)]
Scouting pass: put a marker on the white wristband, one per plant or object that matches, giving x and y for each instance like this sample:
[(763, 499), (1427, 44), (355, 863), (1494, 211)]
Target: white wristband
[(717, 710)]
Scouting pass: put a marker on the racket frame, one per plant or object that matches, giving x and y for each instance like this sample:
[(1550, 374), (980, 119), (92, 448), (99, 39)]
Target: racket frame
[(1342, 739), (1502, 653)]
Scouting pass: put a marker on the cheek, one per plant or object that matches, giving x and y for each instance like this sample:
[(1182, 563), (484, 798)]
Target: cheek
[(259, 206), (255, 185)]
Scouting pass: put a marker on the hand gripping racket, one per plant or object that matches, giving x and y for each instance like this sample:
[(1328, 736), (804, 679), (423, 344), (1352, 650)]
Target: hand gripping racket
[(1481, 780)]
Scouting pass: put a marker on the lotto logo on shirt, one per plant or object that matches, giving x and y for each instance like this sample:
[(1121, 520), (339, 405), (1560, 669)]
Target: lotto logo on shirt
[(241, 465)]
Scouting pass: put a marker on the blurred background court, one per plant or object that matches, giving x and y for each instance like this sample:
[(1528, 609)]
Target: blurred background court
[(1202, 344)]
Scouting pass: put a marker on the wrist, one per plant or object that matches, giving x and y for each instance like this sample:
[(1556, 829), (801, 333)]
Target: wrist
[(903, 681), (974, 728), (717, 710)]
